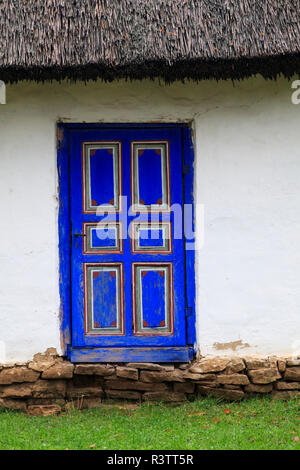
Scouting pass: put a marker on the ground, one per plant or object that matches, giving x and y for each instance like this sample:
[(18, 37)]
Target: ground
[(202, 424)]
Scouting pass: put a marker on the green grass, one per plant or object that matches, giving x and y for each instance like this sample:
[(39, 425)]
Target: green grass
[(202, 424)]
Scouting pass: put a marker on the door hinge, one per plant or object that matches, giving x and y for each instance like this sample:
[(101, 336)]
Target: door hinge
[(188, 311)]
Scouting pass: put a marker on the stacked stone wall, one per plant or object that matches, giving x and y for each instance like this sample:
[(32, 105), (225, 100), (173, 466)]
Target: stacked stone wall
[(49, 383)]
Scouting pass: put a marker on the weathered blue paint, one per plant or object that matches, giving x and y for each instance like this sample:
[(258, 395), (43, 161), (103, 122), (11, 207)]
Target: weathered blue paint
[(170, 354), (188, 177), (102, 354), (64, 237)]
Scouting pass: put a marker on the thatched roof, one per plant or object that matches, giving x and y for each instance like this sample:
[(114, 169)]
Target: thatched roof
[(170, 39)]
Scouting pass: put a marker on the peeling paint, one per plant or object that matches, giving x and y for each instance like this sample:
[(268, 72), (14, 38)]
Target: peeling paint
[(60, 135), (233, 345)]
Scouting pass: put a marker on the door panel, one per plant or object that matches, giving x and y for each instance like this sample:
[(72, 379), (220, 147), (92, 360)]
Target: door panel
[(127, 269), (151, 237), (150, 159), (153, 298), (101, 166), (103, 291), (102, 238)]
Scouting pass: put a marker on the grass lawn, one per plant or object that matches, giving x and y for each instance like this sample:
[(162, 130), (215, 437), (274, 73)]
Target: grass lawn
[(202, 424)]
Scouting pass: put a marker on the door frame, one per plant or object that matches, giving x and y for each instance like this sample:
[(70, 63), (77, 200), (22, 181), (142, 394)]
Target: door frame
[(166, 354)]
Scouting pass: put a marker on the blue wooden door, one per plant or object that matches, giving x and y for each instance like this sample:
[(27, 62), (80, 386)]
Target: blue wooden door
[(127, 266)]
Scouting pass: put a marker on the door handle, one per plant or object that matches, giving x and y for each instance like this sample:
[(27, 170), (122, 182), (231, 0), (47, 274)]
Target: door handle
[(77, 235)]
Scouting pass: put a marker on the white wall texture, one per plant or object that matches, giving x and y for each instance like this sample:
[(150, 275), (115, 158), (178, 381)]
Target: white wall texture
[(247, 177)]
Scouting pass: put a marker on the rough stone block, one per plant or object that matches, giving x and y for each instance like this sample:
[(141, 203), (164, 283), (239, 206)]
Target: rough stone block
[(264, 376), (252, 388), (287, 385), (17, 391), (202, 377), (17, 375), (134, 385), (42, 364), (235, 379), (127, 373), (221, 393), (49, 389), (186, 374), (174, 376), (209, 383), (216, 364), (253, 363), (43, 410), (235, 365), (94, 369), (123, 394), (292, 373), (232, 387), (60, 370), (50, 353)]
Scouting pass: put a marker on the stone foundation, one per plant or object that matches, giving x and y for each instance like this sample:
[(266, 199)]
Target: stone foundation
[(50, 384)]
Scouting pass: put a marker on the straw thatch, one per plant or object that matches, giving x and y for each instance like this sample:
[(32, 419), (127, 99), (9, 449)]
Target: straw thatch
[(170, 39)]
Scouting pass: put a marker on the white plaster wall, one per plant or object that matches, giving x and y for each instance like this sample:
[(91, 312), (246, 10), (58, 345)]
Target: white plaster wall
[(247, 177)]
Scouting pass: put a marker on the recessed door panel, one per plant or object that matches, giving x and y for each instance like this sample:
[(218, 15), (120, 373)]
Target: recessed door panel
[(101, 176), (150, 193), (153, 299), (104, 307)]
